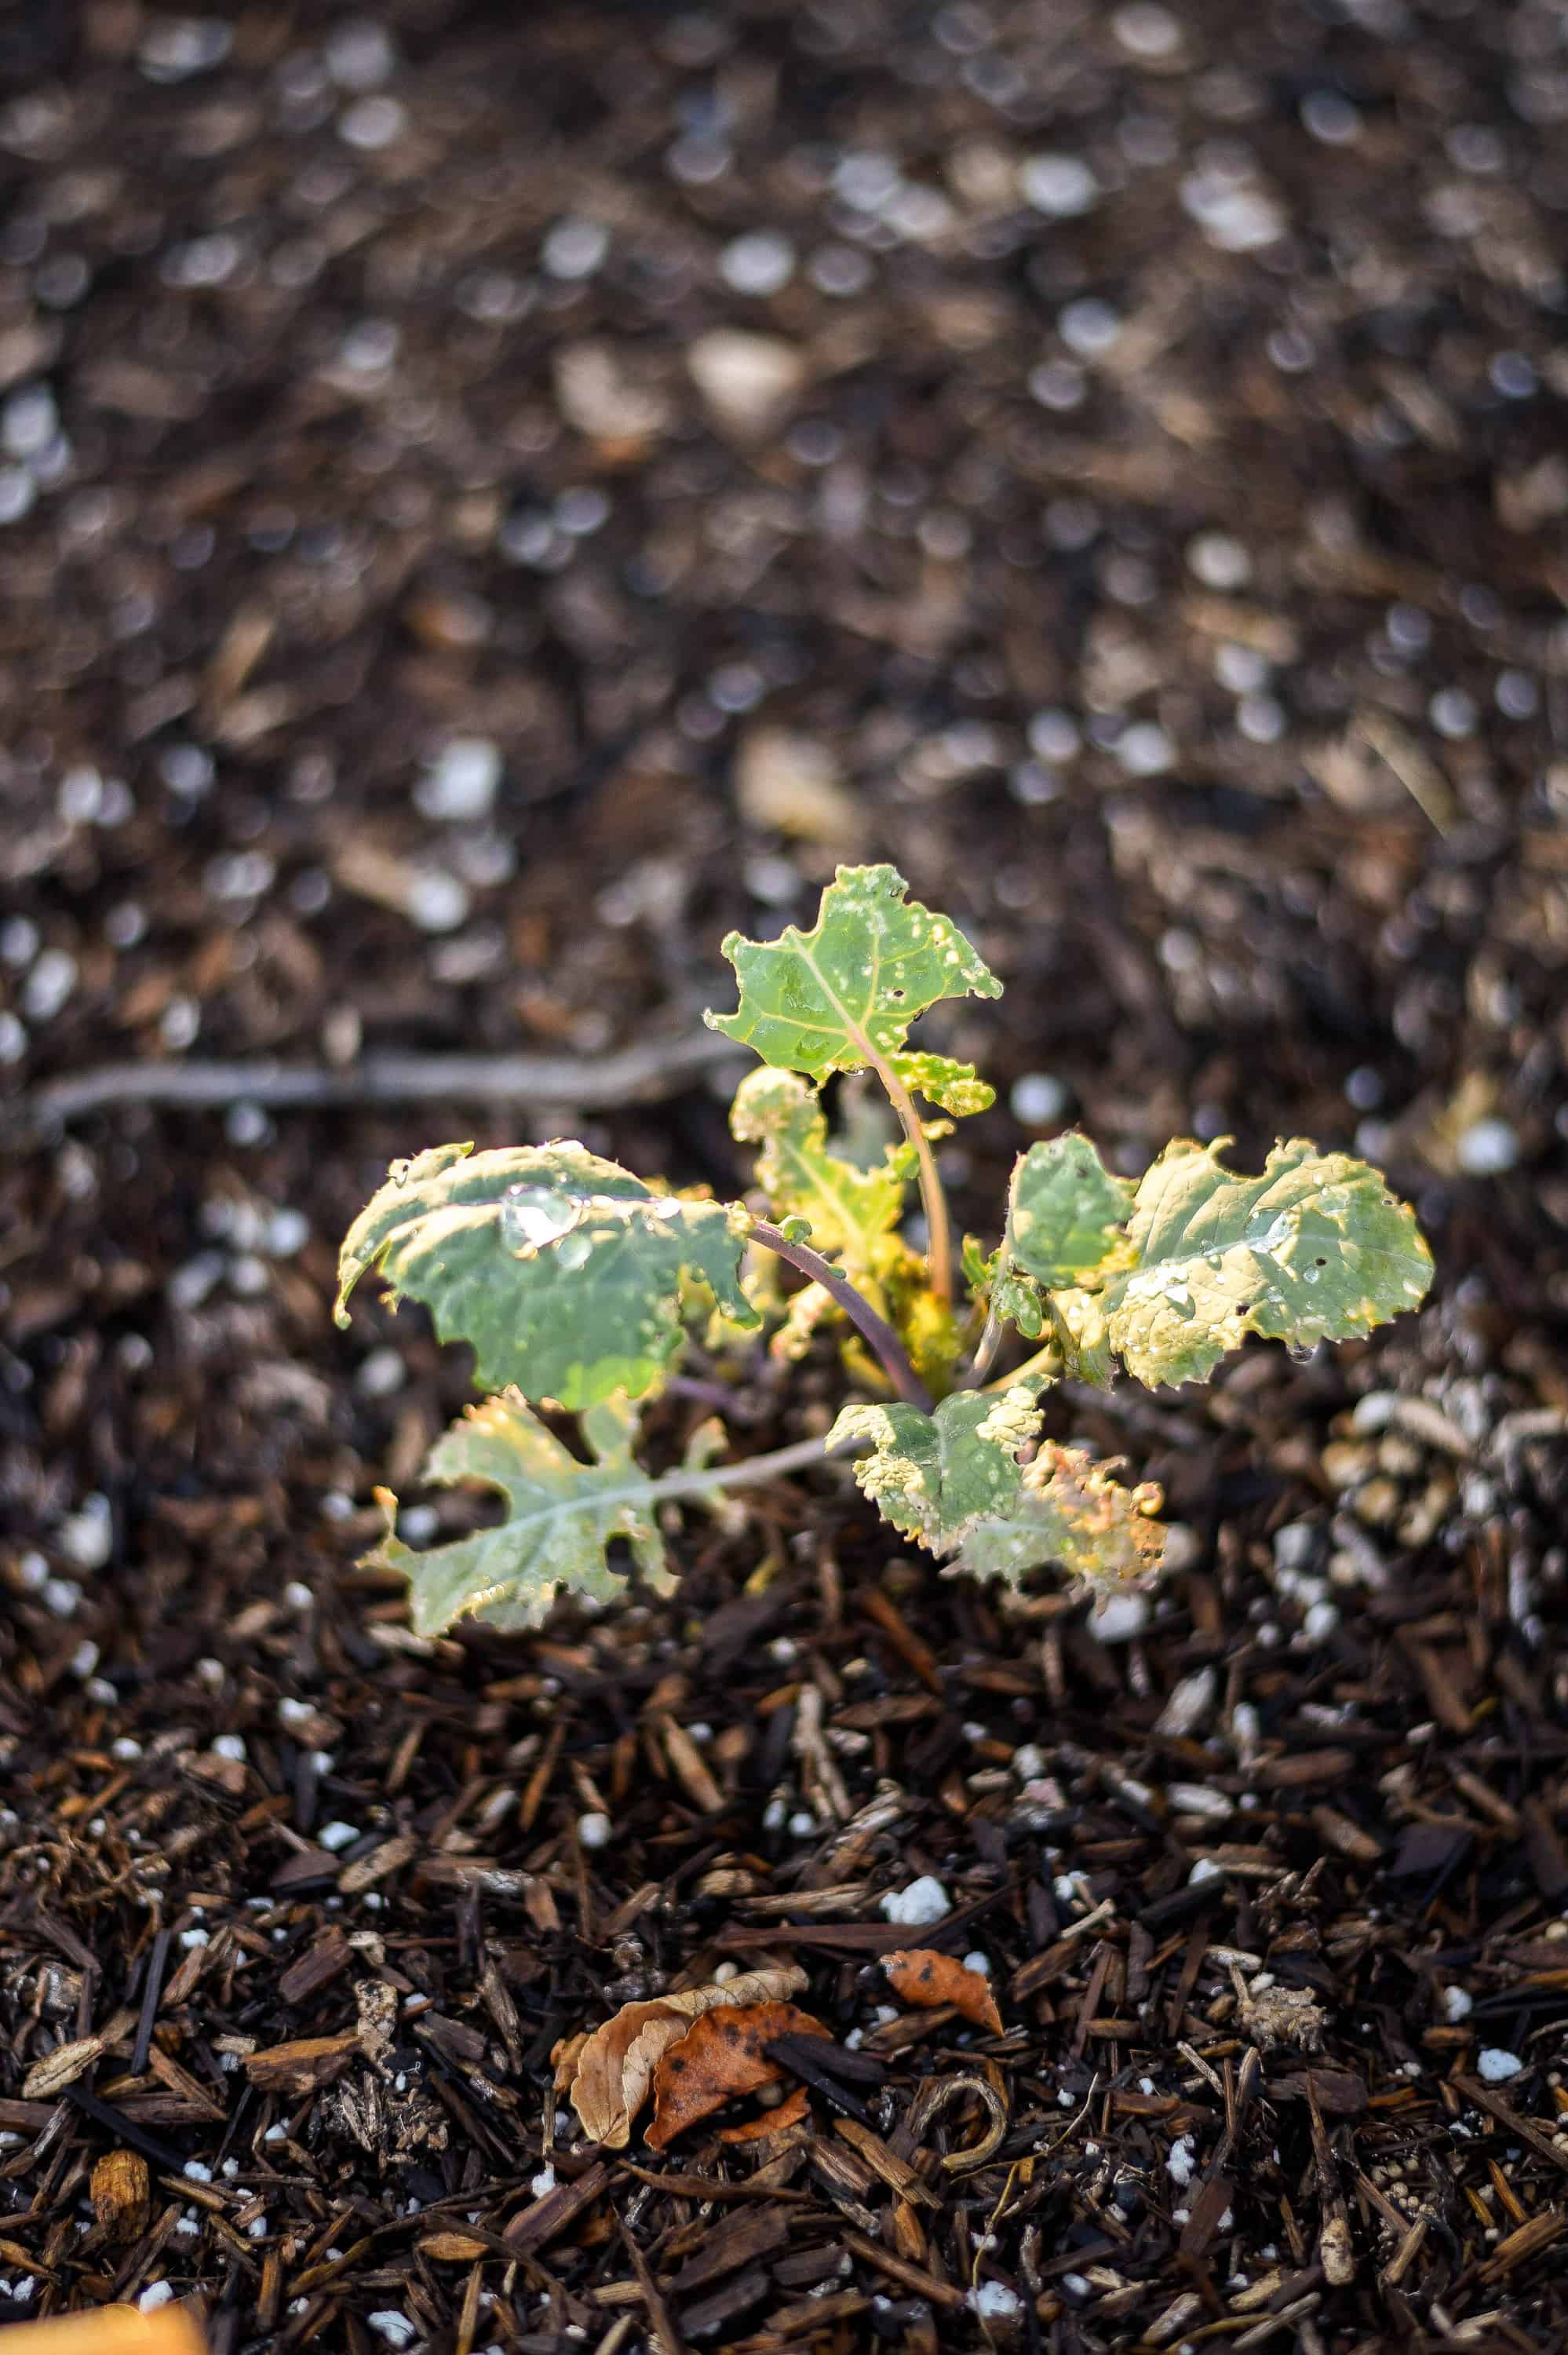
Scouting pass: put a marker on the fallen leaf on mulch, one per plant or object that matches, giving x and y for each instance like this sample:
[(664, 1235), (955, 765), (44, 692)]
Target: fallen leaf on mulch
[(565, 2054), (615, 2067), (923, 1976), (789, 2113), (723, 2054)]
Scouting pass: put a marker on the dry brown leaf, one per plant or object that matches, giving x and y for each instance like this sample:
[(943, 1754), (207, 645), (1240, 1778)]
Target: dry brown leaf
[(615, 2067), (723, 2054), (565, 2054), (923, 1976), (789, 2113)]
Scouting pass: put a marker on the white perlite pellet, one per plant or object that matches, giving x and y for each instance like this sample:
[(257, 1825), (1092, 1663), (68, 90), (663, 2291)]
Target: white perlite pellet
[(923, 1901)]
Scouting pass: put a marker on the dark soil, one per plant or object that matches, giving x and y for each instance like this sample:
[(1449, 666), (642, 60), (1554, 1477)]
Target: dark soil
[(1165, 568)]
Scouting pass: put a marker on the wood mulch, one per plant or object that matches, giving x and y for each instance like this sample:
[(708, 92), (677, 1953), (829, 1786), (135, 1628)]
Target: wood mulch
[(1164, 566), (299, 1919)]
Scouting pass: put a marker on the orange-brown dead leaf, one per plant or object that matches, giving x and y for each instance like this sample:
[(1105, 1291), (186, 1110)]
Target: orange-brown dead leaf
[(615, 2067), (721, 2055), (789, 2113), (924, 1977), (565, 2053)]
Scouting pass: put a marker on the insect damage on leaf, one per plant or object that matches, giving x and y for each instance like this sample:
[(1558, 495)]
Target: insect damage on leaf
[(1069, 1510), (1315, 1247), (560, 1518), (942, 1082), (934, 1476), (843, 996), (562, 1269)]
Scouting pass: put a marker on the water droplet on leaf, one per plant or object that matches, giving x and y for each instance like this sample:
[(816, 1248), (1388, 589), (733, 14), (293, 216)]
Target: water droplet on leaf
[(573, 1252), (532, 1216)]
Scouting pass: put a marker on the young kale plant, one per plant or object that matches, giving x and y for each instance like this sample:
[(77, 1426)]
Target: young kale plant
[(579, 1287)]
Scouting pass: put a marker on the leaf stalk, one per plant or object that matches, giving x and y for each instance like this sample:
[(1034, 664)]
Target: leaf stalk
[(743, 1475), (1046, 1365), (990, 1341), (874, 1329), (933, 1200)]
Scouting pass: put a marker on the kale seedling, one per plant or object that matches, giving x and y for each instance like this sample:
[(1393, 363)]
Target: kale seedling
[(579, 1287)]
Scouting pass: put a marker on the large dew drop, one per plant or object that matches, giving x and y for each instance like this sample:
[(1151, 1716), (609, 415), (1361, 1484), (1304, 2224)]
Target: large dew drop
[(533, 1216)]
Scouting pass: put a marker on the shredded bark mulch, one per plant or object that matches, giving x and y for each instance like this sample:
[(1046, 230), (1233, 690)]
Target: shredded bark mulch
[(487, 504)]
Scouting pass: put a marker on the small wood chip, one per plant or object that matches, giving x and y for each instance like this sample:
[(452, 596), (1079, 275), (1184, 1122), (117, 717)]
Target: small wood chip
[(121, 2193), (300, 2066)]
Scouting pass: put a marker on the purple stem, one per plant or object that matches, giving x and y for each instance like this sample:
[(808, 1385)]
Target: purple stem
[(875, 1329)]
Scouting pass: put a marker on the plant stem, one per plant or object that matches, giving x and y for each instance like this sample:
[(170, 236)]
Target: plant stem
[(1040, 1363), (743, 1475), (933, 1200), (985, 1355), (875, 1329)]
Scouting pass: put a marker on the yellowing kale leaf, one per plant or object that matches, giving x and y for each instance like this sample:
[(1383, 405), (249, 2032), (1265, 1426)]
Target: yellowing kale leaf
[(1069, 1511), (934, 1476), (1170, 1275), (1314, 1249), (849, 1210)]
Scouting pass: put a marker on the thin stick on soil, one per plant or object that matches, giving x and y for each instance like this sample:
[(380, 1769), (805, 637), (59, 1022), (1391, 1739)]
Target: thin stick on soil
[(152, 1992), (636, 1075)]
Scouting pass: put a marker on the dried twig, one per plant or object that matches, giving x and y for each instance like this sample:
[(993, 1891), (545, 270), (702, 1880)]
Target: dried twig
[(589, 1082)]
